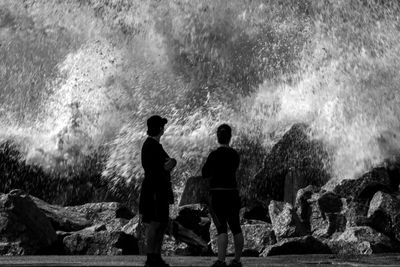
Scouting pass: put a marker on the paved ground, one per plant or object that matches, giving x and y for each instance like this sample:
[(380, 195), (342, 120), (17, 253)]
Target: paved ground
[(290, 260)]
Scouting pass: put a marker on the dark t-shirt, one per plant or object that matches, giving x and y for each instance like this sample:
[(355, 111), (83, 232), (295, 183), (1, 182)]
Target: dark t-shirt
[(156, 178), (220, 168)]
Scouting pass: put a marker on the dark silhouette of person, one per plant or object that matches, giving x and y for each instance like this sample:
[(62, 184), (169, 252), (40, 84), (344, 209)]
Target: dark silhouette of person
[(220, 169), (156, 192)]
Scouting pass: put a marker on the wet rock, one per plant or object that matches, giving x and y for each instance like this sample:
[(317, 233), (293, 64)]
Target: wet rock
[(363, 187), (257, 235), (302, 205), (195, 191), (327, 214), (172, 247), (24, 229), (295, 160), (196, 218), (383, 213), (97, 240), (135, 227), (362, 240), (61, 218), (285, 221), (102, 212), (182, 234), (297, 245), (12, 248), (256, 212), (356, 213)]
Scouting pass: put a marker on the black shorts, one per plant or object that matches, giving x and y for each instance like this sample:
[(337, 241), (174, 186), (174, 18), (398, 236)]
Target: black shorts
[(224, 209), (153, 207)]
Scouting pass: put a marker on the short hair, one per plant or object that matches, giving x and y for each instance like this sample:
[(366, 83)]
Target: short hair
[(224, 134), (154, 125)]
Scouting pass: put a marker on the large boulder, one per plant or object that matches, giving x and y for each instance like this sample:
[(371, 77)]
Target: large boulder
[(176, 236), (102, 212), (297, 245), (295, 161), (362, 240), (61, 218), (182, 234), (195, 191), (24, 229), (327, 214), (384, 214), (197, 219), (302, 204), (285, 221), (257, 235), (356, 213), (97, 240), (255, 212), (135, 227), (362, 188)]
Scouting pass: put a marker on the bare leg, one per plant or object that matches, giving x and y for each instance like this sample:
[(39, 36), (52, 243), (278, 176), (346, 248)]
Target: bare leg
[(152, 237), (239, 243), (222, 241), (160, 237)]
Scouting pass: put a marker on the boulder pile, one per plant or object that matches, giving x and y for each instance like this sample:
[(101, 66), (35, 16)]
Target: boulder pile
[(295, 208), (31, 226), (314, 215)]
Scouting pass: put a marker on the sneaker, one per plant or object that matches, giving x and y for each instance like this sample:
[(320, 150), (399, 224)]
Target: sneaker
[(219, 263), (235, 263)]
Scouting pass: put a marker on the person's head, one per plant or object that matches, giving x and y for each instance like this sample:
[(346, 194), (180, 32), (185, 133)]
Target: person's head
[(155, 125), (224, 134)]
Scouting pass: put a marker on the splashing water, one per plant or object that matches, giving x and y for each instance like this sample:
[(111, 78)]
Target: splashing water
[(91, 72)]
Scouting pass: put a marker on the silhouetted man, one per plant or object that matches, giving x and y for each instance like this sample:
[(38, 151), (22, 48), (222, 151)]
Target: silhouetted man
[(156, 193), (220, 168)]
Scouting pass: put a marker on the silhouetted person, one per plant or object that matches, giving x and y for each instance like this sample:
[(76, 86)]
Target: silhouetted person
[(220, 168), (156, 193)]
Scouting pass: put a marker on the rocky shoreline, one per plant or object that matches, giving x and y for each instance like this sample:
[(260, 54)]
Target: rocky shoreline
[(354, 217), (346, 217)]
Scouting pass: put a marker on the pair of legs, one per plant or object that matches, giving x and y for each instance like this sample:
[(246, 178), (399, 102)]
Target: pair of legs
[(225, 206), (154, 237), (222, 241), (156, 215)]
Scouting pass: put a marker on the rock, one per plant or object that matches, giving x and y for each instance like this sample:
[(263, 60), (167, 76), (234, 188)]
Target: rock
[(116, 224), (383, 213), (257, 212), (196, 218), (24, 229), (302, 205), (327, 214), (102, 212), (362, 240), (285, 220), (356, 213), (176, 234), (363, 187), (172, 247), (195, 191), (97, 240), (12, 248), (182, 234), (135, 227), (295, 160), (297, 245), (257, 235), (61, 218)]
